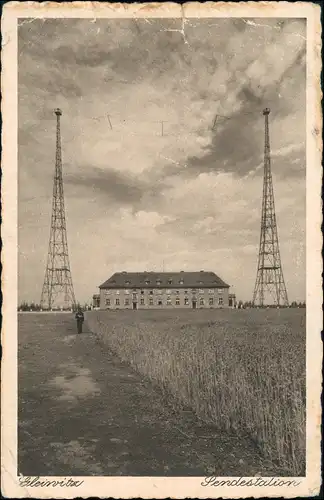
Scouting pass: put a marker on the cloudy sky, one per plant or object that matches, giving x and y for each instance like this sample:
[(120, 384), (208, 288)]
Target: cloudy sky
[(135, 198)]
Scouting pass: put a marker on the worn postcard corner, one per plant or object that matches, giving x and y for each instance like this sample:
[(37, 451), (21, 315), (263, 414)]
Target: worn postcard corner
[(161, 189)]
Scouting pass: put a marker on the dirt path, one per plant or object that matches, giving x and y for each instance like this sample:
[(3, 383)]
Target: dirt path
[(83, 412)]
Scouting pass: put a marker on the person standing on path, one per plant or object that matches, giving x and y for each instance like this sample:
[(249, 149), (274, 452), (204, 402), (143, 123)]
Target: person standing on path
[(80, 319)]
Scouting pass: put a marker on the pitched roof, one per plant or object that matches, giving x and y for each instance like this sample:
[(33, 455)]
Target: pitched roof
[(200, 279)]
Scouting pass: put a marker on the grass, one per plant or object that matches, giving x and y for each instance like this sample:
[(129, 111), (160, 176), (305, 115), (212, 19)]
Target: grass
[(240, 370)]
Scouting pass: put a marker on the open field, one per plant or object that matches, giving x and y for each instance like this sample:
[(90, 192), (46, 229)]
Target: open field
[(239, 370), (81, 411)]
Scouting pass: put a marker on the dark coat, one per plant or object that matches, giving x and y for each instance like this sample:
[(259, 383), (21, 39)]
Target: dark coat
[(79, 316)]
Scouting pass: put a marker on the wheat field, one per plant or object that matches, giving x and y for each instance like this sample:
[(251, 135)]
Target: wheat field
[(240, 370)]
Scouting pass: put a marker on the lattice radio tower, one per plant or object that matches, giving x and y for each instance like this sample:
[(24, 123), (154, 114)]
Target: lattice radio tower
[(270, 282), (58, 288)]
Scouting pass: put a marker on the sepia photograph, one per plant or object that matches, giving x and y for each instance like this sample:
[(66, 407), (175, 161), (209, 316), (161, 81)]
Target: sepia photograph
[(162, 234)]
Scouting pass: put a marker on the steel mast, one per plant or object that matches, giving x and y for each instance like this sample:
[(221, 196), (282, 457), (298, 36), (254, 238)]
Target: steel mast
[(270, 281), (57, 289)]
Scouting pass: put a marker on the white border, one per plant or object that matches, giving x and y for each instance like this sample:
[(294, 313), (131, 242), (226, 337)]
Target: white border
[(128, 487)]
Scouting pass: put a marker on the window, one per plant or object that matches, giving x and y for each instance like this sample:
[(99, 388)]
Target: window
[(107, 302), (211, 301), (211, 291), (159, 292), (168, 301), (193, 290), (177, 292), (177, 301), (220, 301), (186, 301), (160, 302), (186, 291), (107, 292), (142, 302), (181, 282), (151, 292), (142, 292), (201, 301), (134, 296), (147, 282), (158, 282), (117, 302), (151, 301), (127, 302), (201, 290), (168, 292), (117, 292), (127, 282), (220, 291), (170, 282), (126, 292)]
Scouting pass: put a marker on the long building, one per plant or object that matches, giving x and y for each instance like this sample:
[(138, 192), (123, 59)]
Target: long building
[(150, 290)]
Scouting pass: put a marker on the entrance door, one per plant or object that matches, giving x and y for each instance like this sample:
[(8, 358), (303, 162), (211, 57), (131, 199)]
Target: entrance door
[(194, 304), (134, 305)]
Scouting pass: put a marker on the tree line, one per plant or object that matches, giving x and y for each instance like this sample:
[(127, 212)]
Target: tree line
[(34, 306), (247, 305)]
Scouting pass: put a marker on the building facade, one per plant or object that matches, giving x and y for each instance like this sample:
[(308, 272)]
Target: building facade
[(96, 301), (232, 300), (149, 290)]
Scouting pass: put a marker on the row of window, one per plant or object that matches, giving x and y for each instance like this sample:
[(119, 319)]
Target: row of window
[(160, 292), (159, 282), (168, 301)]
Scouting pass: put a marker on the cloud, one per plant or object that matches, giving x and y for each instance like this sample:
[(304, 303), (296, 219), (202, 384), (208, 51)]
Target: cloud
[(117, 186)]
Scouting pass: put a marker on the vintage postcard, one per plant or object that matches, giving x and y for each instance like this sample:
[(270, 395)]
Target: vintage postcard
[(161, 190)]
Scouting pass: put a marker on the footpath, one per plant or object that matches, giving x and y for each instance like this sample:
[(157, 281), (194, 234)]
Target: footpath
[(83, 412)]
